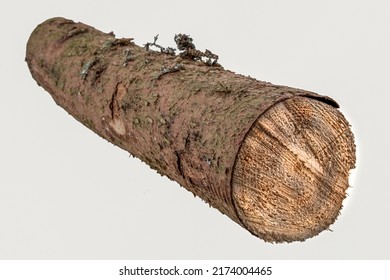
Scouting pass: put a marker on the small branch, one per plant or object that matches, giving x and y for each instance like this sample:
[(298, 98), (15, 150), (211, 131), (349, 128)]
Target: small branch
[(168, 50), (184, 43)]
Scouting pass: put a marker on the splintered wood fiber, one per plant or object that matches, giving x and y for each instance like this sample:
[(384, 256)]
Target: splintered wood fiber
[(274, 159)]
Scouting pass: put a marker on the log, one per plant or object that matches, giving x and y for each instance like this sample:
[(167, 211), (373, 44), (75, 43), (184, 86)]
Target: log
[(274, 159)]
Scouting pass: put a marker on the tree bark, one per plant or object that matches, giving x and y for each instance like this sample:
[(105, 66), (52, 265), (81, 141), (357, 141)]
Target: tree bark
[(187, 119)]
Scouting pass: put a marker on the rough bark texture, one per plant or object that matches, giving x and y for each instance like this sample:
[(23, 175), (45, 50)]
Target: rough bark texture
[(184, 118)]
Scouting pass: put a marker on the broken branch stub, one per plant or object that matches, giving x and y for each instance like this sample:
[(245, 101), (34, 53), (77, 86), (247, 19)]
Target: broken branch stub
[(274, 159)]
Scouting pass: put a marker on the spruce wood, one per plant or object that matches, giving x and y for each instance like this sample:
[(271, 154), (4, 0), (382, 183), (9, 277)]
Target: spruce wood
[(274, 159)]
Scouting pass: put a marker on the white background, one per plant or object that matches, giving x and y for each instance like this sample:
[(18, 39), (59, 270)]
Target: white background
[(65, 193)]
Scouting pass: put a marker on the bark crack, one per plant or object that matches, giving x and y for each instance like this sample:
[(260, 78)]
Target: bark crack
[(116, 98), (73, 32), (179, 164), (112, 102), (117, 123)]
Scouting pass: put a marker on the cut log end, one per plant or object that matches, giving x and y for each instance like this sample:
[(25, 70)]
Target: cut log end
[(291, 173)]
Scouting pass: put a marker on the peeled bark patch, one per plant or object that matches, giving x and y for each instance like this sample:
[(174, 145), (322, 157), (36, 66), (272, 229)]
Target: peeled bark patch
[(262, 154)]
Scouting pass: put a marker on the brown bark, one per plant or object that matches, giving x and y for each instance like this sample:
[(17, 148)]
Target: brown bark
[(184, 118)]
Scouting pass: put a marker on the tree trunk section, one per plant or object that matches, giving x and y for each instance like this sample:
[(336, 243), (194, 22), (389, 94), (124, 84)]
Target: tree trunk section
[(274, 159)]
